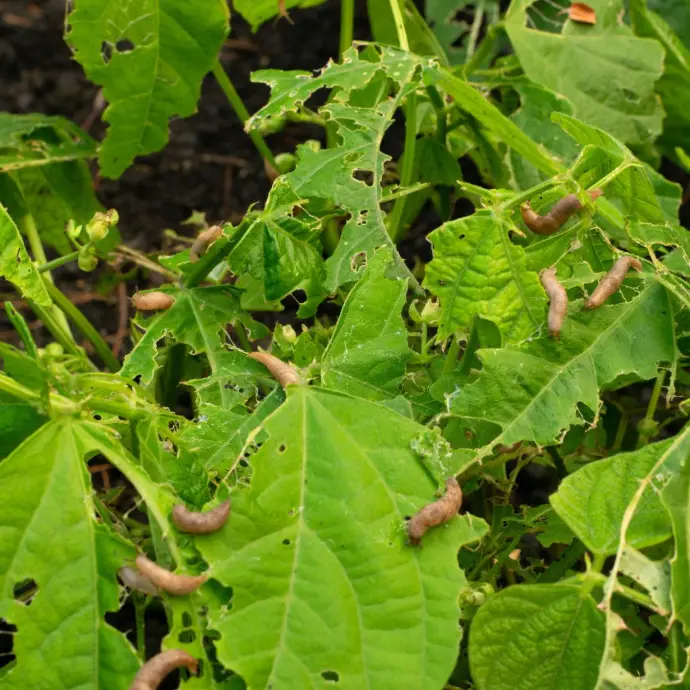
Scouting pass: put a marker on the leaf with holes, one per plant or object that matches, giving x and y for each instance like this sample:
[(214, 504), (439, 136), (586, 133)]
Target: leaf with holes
[(196, 318), (325, 588), (532, 392), (477, 271), (150, 58), (368, 350), (69, 582)]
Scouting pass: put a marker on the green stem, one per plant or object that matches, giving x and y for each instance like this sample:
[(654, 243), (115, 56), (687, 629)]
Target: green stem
[(598, 562), (528, 194), (28, 226), (16, 390), (555, 572), (56, 263), (217, 252), (242, 336), (347, 23), (441, 115), (451, 360), (656, 394), (139, 615), (57, 331), (241, 111), (620, 432), (399, 24), (474, 32), (83, 324), (396, 226), (557, 461)]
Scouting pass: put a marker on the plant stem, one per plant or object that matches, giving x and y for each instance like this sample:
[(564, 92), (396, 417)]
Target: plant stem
[(399, 24), (474, 32), (557, 461), (56, 263), (28, 226), (241, 111), (656, 394), (451, 360), (57, 331), (83, 324), (139, 616), (218, 251), (241, 333), (347, 22), (10, 386), (396, 226)]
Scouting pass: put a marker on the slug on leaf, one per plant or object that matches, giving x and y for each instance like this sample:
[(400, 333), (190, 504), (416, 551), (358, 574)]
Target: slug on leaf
[(555, 219), (202, 242), (152, 673), (436, 513), (179, 585), (152, 301), (201, 523), (282, 372), (558, 306), (135, 580), (612, 281)]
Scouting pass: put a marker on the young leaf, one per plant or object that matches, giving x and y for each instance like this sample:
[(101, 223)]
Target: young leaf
[(536, 637), (256, 12), (74, 576), (476, 270), (532, 392), (150, 58), (368, 350), (324, 586), (196, 318), (15, 264), (607, 75), (593, 500)]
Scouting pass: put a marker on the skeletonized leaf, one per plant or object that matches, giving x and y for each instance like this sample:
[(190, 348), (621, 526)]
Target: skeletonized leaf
[(150, 58), (324, 586), (547, 636), (62, 638), (367, 352), (532, 392), (15, 264), (477, 271)]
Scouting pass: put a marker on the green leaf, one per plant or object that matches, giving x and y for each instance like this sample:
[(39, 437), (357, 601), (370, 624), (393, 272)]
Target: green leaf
[(675, 80), (196, 318), (368, 350), (15, 264), (593, 500), (62, 638), (36, 140), (654, 576), (324, 585), (448, 31), (532, 393), (256, 12), (332, 174), (477, 271), (150, 58), (676, 13), (675, 496), (608, 75), (535, 637), (17, 422), (283, 251)]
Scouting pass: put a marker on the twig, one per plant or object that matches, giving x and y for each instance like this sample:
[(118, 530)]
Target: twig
[(123, 312)]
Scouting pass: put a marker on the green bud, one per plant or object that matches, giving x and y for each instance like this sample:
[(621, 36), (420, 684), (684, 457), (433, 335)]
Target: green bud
[(414, 312), (286, 162), (87, 260), (54, 350), (430, 311), (73, 230), (289, 334), (97, 230), (313, 144)]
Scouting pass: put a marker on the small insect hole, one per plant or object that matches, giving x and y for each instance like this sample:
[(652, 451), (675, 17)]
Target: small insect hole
[(287, 542), (106, 51), (187, 636), (330, 676), (358, 261), (25, 591), (244, 463), (365, 176), (7, 633), (282, 448), (124, 45), (186, 620)]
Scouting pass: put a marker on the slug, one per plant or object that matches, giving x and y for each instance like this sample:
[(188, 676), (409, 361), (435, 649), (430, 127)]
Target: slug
[(436, 513), (179, 585), (557, 216), (151, 674), (201, 523), (152, 301), (202, 242), (558, 306), (135, 580), (612, 281), (282, 372)]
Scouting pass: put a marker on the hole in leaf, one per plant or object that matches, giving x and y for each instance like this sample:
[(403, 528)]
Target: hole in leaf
[(25, 591), (287, 542), (365, 176), (282, 448), (186, 620), (7, 632), (244, 463), (187, 636), (358, 261), (124, 45), (330, 676), (106, 51)]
